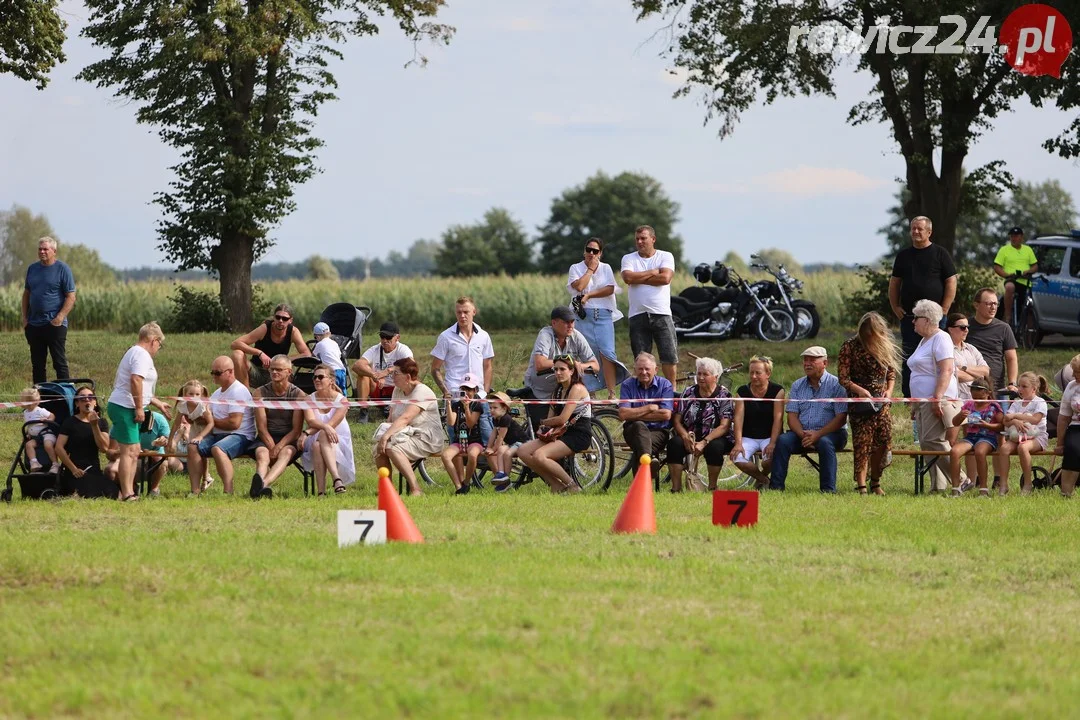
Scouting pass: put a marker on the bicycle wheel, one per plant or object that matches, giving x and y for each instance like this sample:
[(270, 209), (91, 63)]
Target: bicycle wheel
[(592, 467), (622, 459), (1029, 336)]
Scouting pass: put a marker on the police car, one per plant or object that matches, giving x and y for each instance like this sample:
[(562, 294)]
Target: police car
[(1055, 290)]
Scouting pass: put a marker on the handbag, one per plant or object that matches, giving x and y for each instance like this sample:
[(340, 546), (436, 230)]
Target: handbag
[(864, 409), (548, 434)]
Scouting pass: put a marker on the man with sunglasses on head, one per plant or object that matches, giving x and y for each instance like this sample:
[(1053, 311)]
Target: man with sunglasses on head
[(556, 340), (231, 433), (271, 338), (375, 366)]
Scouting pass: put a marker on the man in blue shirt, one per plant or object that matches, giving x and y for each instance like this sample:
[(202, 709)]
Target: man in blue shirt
[(647, 419), (48, 296), (815, 426)]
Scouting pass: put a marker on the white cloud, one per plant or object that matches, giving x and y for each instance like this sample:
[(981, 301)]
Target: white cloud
[(811, 181), (802, 180)]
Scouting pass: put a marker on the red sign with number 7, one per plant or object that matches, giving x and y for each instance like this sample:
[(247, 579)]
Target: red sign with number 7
[(735, 507)]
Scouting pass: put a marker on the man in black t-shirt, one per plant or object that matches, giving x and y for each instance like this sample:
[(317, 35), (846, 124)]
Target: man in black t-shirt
[(924, 271)]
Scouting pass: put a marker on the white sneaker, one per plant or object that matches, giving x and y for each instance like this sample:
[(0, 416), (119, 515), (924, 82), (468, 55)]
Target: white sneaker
[(35, 466), (54, 468)]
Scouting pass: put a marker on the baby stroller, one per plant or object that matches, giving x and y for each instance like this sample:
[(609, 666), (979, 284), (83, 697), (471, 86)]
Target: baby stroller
[(346, 323), (58, 397)]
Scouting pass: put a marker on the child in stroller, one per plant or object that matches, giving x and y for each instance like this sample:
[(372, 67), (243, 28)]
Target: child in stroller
[(38, 430)]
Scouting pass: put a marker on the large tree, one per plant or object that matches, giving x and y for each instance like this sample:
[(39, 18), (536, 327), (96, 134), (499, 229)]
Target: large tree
[(31, 39), (497, 244), (608, 208), (982, 227), (736, 52), (235, 87)]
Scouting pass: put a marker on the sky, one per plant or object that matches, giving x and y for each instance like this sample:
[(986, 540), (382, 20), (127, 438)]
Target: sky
[(529, 99)]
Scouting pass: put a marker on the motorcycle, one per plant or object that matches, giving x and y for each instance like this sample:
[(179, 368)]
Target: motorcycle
[(782, 291), (728, 310)]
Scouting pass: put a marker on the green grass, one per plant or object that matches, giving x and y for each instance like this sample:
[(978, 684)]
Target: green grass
[(526, 605)]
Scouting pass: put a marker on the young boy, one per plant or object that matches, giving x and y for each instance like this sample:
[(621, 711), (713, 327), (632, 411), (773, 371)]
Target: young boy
[(504, 442), (329, 352), (38, 431)]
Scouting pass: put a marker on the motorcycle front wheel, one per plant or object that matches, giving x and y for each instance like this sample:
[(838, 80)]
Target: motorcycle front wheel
[(781, 328), (806, 315)]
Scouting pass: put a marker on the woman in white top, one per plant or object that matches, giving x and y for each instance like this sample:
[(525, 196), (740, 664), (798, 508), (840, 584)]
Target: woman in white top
[(1067, 442), (133, 393), (327, 443), (933, 379), (593, 289)]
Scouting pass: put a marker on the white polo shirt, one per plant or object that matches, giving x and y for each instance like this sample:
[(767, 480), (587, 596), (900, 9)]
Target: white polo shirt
[(460, 357), (655, 299)]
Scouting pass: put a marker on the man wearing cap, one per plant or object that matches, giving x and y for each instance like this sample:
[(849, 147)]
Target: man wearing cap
[(1015, 259), (814, 426), (374, 366), (646, 402), (462, 348), (559, 338)]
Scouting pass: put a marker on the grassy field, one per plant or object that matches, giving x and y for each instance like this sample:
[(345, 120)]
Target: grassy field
[(524, 604)]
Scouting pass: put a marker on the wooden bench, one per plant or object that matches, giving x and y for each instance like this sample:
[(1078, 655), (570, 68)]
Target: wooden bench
[(147, 467), (922, 463)]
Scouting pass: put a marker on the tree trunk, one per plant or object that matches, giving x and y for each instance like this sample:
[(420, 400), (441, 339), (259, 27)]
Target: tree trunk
[(938, 198), (232, 259)]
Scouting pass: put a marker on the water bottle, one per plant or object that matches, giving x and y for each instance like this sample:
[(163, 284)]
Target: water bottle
[(463, 437), (915, 429)]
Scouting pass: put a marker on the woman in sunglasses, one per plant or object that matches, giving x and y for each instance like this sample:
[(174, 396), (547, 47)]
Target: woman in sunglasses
[(566, 430), (79, 444), (593, 289), (271, 338), (327, 442)]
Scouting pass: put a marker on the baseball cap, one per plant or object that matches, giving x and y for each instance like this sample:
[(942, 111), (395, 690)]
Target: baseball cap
[(389, 329), (321, 328), (1017, 231), (563, 313), (471, 381), (815, 351)]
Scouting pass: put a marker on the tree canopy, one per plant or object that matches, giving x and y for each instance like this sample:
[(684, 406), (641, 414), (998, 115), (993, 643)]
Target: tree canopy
[(20, 231), (497, 244), (937, 105), (31, 39), (982, 227), (609, 208), (235, 87)]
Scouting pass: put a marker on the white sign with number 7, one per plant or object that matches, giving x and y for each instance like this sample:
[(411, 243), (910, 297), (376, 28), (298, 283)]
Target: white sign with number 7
[(361, 527)]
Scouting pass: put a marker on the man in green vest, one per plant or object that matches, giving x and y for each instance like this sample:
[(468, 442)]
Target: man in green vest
[(1016, 263)]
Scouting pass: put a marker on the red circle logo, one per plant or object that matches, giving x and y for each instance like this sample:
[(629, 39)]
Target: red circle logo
[(1036, 39)]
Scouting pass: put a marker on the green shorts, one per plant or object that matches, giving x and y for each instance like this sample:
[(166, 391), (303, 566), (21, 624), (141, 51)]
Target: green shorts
[(124, 428)]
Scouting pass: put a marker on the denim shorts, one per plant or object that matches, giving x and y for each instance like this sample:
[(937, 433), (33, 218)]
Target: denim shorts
[(648, 327), (233, 445)]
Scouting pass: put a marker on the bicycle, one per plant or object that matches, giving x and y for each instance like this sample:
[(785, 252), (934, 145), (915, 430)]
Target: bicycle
[(1025, 319)]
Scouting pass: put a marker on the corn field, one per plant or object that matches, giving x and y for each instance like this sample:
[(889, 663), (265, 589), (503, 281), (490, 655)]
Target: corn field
[(418, 303)]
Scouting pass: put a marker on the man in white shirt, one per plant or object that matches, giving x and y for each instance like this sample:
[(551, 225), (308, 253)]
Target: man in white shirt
[(232, 432), (374, 366), (461, 349), (647, 274)]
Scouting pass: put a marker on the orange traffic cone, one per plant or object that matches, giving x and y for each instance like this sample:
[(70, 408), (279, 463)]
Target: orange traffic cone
[(638, 514), (399, 523)]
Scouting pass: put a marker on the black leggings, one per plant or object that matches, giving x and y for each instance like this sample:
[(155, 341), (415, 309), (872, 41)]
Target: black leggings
[(1071, 458), (714, 454)]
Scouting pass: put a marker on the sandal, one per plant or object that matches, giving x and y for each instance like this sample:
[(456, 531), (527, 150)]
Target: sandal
[(861, 489), (339, 486), (875, 487), (130, 498)]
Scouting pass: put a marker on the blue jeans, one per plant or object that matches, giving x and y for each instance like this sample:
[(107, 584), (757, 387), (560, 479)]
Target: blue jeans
[(790, 444)]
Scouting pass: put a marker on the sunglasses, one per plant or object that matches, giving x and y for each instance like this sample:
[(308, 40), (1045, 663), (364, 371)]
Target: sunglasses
[(385, 337), (85, 397), (219, 373), (961, 327), (320, 377), (282, 318), (593, 250)]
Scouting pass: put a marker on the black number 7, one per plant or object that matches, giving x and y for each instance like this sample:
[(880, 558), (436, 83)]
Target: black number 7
[(742, 506), (371, 523)]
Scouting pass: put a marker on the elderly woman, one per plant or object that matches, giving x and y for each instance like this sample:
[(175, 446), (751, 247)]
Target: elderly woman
[(933, 381), (757, 425), (869, 362), (592, 286), (415, 430), (133, 393), (702, 424)]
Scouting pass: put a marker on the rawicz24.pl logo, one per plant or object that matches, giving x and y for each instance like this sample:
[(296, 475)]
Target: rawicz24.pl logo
[(1035, 39)]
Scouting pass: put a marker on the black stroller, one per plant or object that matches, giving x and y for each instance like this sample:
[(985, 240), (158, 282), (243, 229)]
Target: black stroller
[(346, 323), (58, 397)]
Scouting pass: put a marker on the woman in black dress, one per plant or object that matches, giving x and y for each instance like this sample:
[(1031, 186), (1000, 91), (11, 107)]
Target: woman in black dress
[(82, 439), (757, 424), (570, 414)]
